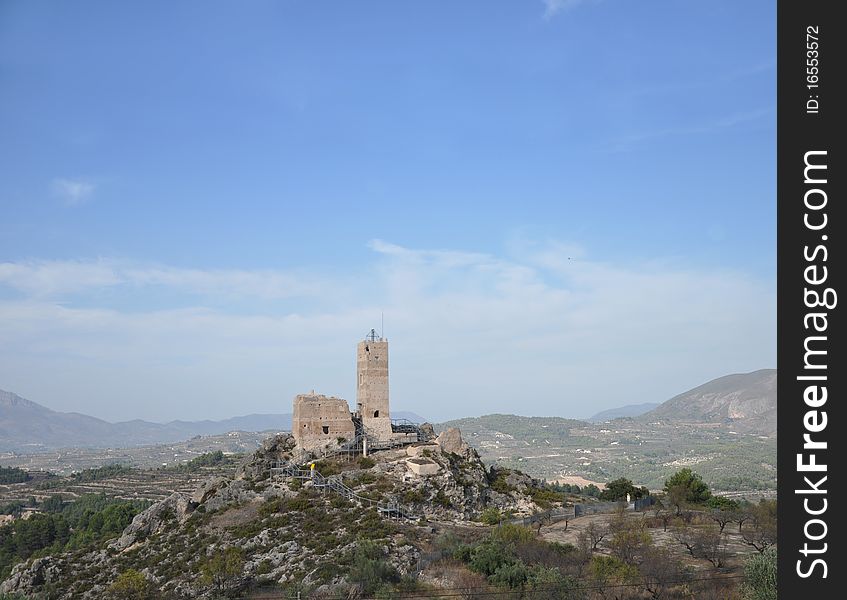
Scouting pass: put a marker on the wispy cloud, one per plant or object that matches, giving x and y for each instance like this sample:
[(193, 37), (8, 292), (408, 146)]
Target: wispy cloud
[(73, 192), (627, 142), (542, 330), (56, 279), (554, 7)]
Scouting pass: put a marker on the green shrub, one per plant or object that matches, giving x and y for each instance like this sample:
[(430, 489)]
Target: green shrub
[(760, 574), (491, 516), (131, 585), (327, 468), (370, 571), (620, 488), (298, 504), (441, 499), (499, 482), (413, 496), (222, 567), (722, 503), (544, 497), (272, 506)]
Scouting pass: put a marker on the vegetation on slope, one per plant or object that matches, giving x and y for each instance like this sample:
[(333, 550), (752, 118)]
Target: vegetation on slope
[(13, 475), (64, 527)]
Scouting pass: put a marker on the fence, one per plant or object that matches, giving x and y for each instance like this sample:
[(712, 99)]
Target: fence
[(579, 510), (548, 516)]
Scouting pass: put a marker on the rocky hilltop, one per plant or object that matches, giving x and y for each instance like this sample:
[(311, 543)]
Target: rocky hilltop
[(259, 528), (746, 401)]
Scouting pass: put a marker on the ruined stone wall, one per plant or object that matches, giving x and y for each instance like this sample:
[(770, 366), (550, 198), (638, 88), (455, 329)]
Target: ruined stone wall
[(319, 420), (372, 386)]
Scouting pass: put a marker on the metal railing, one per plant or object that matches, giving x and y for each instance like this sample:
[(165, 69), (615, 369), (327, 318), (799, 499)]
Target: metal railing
[(389, 507), (291, 468)]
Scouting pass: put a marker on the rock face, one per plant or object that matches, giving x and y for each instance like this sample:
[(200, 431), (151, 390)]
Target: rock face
[(39, 573), (276, 448), (153, 520), (450, 440), (746, 402)]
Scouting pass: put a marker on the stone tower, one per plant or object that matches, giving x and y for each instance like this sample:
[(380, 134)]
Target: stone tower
[(372, 385)]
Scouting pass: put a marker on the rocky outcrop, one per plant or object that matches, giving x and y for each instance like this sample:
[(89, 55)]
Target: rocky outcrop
[(175, 507), (276, 448), (40, 572), (450, 440), (746, 402)]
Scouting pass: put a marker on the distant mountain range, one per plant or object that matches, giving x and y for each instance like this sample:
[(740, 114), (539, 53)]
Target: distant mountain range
[(630, 410), (744, 401), (29, 427)]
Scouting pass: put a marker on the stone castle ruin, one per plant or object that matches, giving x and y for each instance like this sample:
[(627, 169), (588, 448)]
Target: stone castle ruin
[(325, 422)]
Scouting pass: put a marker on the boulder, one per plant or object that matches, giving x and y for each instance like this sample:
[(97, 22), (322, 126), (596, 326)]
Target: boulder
[(176, 506), (450, 440), (207, 489)]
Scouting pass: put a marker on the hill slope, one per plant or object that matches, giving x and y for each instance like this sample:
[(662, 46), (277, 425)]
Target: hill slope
[(26, 426), (746, 401), (29, 427), (630, 410)]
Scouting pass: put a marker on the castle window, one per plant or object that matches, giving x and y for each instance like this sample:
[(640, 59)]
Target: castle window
[(326, 428), (376, 413)]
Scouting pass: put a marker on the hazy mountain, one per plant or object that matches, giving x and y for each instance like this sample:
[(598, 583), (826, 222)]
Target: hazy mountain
[(408, 415), (745, 401), (27, 426), (515, 426), (630, 410)]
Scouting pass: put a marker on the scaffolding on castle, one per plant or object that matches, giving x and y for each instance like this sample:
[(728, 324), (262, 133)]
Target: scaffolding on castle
[(390, 508), (364, 441)]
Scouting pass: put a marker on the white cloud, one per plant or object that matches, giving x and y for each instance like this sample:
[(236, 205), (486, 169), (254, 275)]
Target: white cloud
[(73, 192), (554, 7), (55, 279), (546, 330), (628, 142)]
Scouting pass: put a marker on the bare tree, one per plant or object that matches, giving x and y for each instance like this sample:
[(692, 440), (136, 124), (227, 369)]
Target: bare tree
[(660, 572), (703, 543), (741, 516), (722, 517), (677, 496), (663, 515), (761, 535), (592, 535), (630, 541)]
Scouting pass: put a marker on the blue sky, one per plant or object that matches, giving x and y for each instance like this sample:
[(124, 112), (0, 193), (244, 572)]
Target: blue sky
[(560, 206)]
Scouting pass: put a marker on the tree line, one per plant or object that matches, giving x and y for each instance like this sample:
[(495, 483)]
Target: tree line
[(60, 526)]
